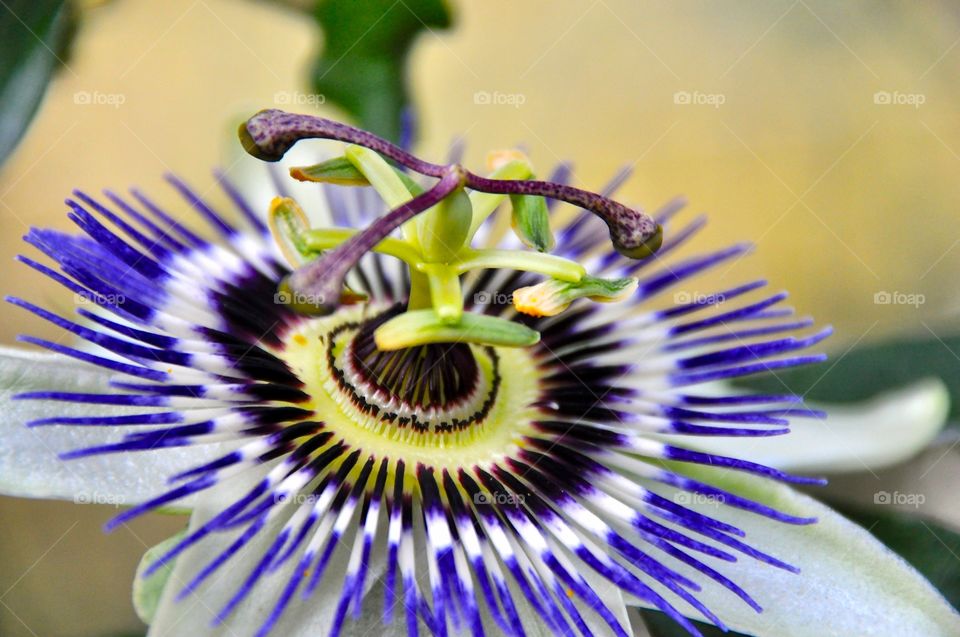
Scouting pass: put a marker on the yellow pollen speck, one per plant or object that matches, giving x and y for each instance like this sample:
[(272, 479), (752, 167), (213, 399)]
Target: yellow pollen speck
[(570, 592), (300, 339)]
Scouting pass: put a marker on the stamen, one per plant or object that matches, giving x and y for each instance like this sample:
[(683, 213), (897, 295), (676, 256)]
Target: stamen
[(554, 296)]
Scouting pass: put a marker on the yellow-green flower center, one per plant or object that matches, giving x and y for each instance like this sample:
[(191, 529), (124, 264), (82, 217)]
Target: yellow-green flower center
[(452, 406)]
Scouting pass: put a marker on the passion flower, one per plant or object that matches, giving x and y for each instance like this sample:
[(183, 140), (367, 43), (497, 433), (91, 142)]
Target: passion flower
[(398, 385)]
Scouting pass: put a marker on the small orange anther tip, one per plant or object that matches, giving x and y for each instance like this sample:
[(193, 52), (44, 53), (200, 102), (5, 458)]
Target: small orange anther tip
[(530, 310), (299, 339)]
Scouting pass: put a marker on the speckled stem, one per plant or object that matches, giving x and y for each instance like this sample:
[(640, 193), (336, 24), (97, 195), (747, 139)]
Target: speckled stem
[(630, 230), (271, 133)]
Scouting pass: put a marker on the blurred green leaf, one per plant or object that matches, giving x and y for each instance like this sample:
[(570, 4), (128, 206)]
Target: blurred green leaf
[(147, 590), (363, 66), (34, 35), (659, 625), (867, 371)]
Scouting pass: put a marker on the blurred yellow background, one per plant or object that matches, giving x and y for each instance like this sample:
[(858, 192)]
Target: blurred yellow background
[(827, 133)]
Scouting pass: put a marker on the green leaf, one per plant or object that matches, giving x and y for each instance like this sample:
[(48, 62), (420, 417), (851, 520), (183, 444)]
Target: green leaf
[(659, 625), (866, 371), (34, 41), (147, 591), (363, 66)]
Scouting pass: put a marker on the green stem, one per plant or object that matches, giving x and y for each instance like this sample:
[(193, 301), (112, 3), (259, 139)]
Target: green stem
[(424, 326), (446, 296), (419, 296), (320, 239), (546, 264), (386, 182)]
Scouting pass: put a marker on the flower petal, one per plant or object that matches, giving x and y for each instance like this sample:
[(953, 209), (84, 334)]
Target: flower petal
[(196, 612), (877, 433), (29, 461), (849, 583)]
